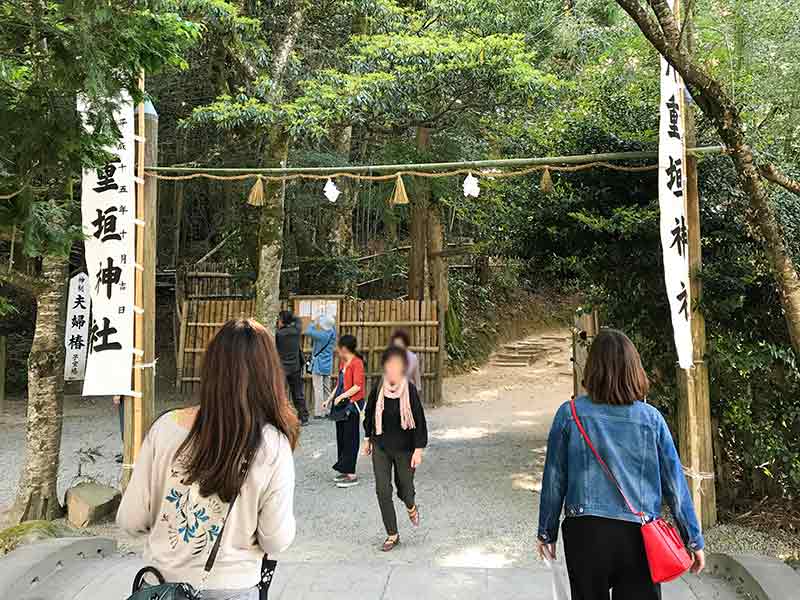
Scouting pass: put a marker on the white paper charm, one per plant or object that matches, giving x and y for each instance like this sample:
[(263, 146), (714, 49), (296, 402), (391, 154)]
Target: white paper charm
[(471, 187), (331, 191)]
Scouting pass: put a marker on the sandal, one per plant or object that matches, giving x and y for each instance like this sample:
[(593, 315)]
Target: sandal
[(413, 515), (390, 543)]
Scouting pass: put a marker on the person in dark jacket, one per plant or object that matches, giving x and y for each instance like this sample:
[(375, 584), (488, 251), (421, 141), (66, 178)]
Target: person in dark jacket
[(289, 339), (395, 434)]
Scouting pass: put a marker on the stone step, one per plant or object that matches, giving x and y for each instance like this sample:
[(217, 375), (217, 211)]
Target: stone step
[(511, 355), (506, 361), (507, 364), (523, 351), (557, 338)]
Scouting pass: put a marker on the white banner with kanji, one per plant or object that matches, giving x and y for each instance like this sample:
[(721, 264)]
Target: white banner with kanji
[(76, 332), (672, 204), (108, 208)]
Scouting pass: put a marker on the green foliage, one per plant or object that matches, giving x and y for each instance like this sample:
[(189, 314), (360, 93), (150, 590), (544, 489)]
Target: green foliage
[(94, 50)]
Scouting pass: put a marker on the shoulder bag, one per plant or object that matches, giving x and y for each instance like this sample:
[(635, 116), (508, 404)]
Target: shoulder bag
[(185, 591), (666, 553)]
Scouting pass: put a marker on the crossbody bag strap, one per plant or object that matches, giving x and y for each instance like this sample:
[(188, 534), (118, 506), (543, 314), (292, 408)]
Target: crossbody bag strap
[(267, 573), (212, 556), (603, 464), (325, 347)]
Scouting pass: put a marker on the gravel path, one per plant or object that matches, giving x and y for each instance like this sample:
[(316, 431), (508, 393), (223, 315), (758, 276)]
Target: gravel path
[(475, 488)]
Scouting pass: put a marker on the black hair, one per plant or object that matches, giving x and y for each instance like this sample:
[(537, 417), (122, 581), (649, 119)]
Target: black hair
[(348, 341), (286, 317), (394, 352), (351, 343), (403, 335)]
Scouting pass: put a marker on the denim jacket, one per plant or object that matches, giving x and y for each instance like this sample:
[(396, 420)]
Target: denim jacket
[(637, 446), (322, 349)]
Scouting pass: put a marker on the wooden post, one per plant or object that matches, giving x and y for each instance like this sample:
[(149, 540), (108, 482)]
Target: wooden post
[(695, 433), (3, 359), (150, 236), (442, 304), (134, 414), (586, 327)]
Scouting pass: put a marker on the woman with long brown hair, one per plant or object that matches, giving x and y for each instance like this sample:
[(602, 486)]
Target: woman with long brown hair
[(227, 462), (610, 463)]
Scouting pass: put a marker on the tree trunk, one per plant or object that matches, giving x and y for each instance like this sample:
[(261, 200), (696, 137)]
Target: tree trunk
[(482, 267), (419, 226), (764, 218), (664, 34), (270, 231), (342, 233), (438, 264), (37, 495), (270, 236)]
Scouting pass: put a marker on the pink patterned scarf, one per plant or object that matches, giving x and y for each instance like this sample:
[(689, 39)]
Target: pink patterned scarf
[(394, 391)]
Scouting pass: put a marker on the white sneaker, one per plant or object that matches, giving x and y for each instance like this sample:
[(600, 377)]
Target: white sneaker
[(347, 482)]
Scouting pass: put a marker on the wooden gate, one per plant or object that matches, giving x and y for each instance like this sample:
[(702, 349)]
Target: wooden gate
[(370, 321)]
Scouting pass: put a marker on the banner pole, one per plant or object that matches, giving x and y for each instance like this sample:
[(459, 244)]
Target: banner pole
[(134, 422), (695, 432)]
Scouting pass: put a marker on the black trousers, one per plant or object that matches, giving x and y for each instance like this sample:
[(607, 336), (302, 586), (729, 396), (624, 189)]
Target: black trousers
[(297, 390), (607, 554), (383, 463), (347, 441)]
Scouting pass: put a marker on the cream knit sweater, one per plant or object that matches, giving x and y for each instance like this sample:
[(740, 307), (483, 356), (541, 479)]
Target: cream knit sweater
[(181, 525)]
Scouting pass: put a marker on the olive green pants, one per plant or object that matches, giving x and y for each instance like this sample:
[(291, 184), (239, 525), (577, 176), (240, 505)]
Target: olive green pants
[(383, 463)]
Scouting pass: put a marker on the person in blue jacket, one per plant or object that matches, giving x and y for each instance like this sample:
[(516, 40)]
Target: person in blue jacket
[(322, 331), (603, 543)]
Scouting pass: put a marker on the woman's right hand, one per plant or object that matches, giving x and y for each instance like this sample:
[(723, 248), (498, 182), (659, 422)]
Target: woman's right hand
[(367, 450), (546, 551), (699, 562)]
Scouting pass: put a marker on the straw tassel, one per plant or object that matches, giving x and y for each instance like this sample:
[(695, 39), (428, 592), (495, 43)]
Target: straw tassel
[(256, 196), (400, 196), (546, 184)]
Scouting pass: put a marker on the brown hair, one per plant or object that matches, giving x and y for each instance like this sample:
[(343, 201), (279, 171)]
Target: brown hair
[(614, 373), (241, 391), (401, 334)]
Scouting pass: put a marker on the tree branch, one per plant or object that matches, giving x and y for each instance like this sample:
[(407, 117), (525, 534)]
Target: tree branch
[(775, 175), (666, 19), (282, 52), (706, 92)]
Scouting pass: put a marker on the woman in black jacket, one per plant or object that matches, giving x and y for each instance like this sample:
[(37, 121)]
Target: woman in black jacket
[(395, 434)]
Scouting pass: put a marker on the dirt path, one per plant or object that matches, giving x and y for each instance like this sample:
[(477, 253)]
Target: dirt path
[(475, 488)]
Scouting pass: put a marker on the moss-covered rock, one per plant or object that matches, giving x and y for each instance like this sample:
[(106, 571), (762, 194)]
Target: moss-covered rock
[(30, 531)]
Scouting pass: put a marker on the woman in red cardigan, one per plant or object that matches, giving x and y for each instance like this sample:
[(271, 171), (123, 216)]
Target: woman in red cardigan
[(348, 402)]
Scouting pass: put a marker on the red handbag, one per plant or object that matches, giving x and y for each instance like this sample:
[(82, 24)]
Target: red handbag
[(666, 553)]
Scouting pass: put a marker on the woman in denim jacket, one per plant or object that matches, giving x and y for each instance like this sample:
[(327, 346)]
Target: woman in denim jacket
[(602, 537)]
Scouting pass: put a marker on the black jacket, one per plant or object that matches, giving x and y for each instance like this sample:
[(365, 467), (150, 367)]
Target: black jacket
[(288, 339), (394, 437)]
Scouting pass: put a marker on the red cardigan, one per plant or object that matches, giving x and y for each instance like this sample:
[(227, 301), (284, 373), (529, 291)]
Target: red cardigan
[(354, 375)]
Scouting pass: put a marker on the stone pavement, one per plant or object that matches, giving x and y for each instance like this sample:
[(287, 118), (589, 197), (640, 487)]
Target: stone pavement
[(88, 569)]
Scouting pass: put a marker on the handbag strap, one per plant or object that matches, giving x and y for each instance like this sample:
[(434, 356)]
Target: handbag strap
[(325, 347), (267, 565), (603, 464)]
